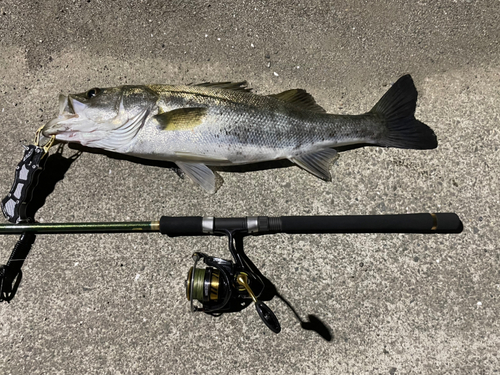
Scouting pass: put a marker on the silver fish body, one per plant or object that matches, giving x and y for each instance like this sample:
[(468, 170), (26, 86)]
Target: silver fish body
[(226, 124)]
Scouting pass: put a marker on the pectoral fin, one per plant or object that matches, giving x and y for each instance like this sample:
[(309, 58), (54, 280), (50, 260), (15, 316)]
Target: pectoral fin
[(200, 174), (318, 163), (181, 118)]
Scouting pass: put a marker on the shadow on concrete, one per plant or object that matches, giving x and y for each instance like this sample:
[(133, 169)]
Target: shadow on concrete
[(270, 291), (54, 171)]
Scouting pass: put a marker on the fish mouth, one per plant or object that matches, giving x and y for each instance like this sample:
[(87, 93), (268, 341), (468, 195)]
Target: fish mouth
[(71, 114)]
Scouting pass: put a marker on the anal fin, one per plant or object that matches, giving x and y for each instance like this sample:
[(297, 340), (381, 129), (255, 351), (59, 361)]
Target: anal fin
[(318, 163)]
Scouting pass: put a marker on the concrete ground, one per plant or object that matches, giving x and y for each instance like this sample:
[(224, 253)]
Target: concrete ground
[(393, 303)]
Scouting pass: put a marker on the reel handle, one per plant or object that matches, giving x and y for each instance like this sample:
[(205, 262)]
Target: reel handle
[(265, 313)]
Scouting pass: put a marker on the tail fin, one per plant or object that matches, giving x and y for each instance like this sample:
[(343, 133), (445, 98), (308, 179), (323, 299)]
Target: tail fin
[(397, 109)]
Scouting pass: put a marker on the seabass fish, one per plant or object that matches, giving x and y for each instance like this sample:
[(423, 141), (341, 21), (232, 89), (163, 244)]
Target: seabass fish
[(221, 124)]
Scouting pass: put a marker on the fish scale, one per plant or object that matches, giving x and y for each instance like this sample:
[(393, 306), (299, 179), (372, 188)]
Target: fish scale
[(220, 124)]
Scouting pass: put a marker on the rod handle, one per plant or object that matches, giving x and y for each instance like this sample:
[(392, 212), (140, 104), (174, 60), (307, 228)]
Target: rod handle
[(404, 223), (174, 226)]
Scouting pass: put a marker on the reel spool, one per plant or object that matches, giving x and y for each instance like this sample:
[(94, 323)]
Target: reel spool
[(205, 284)]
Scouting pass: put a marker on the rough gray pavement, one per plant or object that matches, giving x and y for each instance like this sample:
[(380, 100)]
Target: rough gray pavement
[(395, 304)]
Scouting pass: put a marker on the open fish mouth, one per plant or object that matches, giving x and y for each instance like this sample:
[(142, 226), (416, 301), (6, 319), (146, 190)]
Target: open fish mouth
[(71, 116)]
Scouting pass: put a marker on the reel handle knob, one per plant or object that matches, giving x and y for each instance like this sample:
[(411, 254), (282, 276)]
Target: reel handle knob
[(265, 313), (268, 317)]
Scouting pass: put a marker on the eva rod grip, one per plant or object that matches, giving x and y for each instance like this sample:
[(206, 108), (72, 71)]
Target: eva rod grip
[(181, 226), (175, 226), (405, 223)]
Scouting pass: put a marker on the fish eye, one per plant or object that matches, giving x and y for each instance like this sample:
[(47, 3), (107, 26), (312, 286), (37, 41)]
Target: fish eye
[(93, 92)]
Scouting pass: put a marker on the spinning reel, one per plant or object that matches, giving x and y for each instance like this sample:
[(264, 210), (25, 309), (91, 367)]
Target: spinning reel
[(227, 286), (223, 286)]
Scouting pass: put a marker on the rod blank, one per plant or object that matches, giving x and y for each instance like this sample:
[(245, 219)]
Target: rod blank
[(62, 228)]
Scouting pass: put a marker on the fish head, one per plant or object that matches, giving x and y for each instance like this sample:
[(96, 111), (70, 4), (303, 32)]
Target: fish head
[(89, 118)]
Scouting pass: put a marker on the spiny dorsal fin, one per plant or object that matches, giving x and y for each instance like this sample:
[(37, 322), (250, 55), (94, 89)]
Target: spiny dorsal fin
[(235, 86), (181, 118), (300, 98)]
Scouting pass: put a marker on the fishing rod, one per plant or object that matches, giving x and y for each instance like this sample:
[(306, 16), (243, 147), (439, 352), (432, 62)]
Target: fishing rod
[(222, 285), (227, 285), (174, 226)]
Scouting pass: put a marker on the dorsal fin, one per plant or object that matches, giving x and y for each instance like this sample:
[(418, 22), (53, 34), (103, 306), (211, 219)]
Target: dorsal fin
[(300, 98), (235, 86)]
